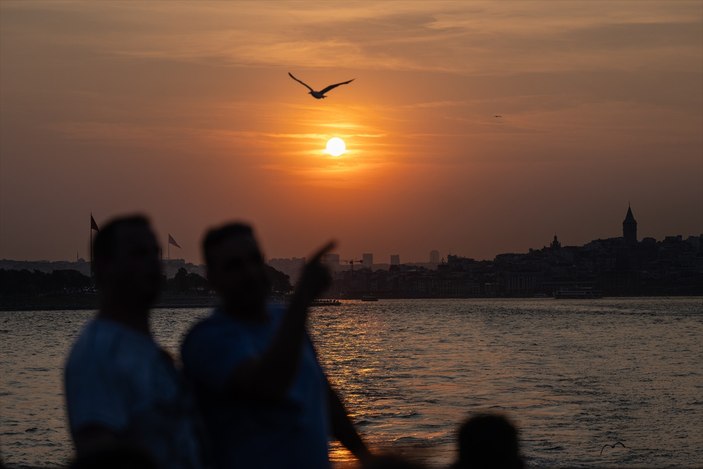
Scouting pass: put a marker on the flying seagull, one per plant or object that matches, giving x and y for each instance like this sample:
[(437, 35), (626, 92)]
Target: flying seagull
[(320, 94), (612, 446)]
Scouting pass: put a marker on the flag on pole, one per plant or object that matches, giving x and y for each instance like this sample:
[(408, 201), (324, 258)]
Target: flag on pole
[(93, 225), (172, 241)]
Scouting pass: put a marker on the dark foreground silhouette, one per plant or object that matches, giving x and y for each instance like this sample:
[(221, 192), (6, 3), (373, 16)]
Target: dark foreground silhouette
[(122, 390), (117, 456), (259, 388), (488, 441), (264, 398)]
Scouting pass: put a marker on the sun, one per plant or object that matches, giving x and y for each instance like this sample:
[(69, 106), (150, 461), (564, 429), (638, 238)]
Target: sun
[(336, 146)]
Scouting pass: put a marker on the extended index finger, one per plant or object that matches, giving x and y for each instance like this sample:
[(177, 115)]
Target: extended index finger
[(322, 251)]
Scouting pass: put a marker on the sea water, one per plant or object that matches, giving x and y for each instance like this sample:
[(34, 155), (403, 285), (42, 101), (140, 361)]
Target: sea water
[(573, 375)]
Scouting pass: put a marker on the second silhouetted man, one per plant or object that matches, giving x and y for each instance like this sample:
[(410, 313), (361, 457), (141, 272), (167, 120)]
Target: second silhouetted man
[(264, 397)]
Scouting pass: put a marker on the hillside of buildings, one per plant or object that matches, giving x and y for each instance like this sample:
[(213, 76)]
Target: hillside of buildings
[(611, 267), (622, 266)]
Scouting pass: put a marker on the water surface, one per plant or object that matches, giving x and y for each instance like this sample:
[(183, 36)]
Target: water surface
[(573, 375)]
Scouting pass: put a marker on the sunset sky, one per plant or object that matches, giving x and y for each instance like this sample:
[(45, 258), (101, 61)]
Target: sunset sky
[(184, 111)]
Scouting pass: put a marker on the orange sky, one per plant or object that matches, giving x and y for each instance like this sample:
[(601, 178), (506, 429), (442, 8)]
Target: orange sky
[(184, 111)]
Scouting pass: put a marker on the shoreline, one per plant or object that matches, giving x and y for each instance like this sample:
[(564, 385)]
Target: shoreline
[(76, 303), (73, 303)]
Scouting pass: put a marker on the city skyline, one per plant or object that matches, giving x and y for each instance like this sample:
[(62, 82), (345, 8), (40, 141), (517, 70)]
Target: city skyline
[(629, 233), (472, 128), (623, 265)]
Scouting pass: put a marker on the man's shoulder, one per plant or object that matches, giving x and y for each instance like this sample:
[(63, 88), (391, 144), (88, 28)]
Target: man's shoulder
[(103, 341), (207, 328), (220, 326), (213, 320), (96, 336)]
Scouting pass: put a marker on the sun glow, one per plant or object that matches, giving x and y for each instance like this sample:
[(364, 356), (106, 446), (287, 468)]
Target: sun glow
[(336, 146)]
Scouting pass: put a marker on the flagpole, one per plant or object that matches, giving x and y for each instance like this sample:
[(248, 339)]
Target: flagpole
[(90, 236), (168, 251)]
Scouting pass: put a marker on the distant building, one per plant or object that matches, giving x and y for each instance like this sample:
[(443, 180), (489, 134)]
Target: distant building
[(395, 259), (46, 266), (434, 257), (172, 266), (331, 260), (289, 266), (695, 241), (629, 227), (367, 260), (555, 244)]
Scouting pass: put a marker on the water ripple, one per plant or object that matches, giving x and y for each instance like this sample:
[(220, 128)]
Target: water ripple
[(574, 376)]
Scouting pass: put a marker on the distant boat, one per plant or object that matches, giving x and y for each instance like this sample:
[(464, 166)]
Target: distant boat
[(577, 293), (369, 298), (326, 302)]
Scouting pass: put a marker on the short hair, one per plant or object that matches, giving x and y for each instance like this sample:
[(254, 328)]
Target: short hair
[(489, 440), (217, 235), (105, 243)]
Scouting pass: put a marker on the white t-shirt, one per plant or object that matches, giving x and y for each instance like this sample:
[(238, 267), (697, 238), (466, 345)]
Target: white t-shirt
[(120, 379)]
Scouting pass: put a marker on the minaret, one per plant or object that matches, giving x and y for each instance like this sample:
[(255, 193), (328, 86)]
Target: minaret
[(629, 227)]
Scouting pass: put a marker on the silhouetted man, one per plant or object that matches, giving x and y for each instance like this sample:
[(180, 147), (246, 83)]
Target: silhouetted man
[(488, 441), (265, 399), (121, 388)]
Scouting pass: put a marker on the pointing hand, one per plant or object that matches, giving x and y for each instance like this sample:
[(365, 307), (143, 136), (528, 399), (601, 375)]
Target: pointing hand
[(315, 278)]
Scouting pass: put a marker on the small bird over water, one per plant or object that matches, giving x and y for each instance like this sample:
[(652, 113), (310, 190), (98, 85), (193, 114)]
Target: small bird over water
[(612, 446), (320, 94)]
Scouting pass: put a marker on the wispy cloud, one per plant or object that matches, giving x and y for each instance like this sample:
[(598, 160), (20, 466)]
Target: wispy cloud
[(465, 38)]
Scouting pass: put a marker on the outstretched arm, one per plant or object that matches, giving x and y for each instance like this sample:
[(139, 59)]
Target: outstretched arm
[(343, 428), (268, 376)]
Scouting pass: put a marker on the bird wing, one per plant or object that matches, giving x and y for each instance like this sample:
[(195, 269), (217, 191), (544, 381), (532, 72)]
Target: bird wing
[(306, 86), (331, 87), (612, 446)]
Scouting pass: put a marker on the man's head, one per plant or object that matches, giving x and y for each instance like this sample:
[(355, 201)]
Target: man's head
[(235, 267), (126, 263), (489, 441)]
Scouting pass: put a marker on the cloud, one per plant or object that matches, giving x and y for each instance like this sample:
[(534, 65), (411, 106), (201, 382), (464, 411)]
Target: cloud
[(475, 38)]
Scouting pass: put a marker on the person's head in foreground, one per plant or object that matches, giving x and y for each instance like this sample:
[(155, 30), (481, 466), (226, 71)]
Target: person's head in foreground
[(489, 441), (235, 268), (126, 263)]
